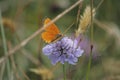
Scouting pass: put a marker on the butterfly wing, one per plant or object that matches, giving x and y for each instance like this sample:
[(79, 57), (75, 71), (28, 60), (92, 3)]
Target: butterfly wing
[(51, 28), (48, 37), (50, 32)]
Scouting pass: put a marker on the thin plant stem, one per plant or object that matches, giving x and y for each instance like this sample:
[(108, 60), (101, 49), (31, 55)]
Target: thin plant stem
[(78, 15), (99, 4), (91, 30), (91, 39), (64, 72), (89, 66), (14, 67), (2, 71), (24, 74), (4, 45)]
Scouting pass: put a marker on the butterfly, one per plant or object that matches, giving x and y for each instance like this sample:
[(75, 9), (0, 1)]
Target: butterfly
[(50, 33)]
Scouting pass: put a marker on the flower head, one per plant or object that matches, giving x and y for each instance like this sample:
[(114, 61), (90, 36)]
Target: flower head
[(64, 50), (84, 43)]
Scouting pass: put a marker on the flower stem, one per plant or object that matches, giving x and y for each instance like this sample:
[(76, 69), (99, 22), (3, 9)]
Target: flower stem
[(64, 72), (89, 65), (91, 46), (4, 44)]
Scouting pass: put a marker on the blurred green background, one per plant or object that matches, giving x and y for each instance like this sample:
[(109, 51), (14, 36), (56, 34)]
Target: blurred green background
[(21, 18)]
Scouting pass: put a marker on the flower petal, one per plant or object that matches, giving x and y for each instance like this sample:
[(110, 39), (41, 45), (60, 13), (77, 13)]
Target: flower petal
[(47, 50)]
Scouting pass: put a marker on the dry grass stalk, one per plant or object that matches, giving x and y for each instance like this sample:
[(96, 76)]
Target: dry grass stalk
[(85, 20)]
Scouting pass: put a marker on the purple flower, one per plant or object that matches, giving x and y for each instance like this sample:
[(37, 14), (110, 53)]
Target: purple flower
[(85, 44), (64, 50)]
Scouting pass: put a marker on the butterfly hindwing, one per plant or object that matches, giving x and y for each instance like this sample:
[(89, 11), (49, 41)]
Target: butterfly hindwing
[(48, 37)]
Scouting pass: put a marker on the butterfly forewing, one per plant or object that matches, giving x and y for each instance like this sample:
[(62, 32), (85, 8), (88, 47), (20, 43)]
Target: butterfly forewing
[(51, 32), (51, 28)]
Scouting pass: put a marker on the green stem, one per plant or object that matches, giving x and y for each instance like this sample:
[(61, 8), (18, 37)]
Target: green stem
[(4, 44), (89, 66), (91, 46), (64, 72)]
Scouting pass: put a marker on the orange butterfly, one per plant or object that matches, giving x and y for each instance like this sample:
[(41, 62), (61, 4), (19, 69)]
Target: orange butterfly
[(51, 33)]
